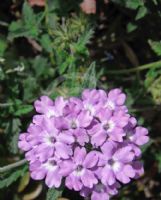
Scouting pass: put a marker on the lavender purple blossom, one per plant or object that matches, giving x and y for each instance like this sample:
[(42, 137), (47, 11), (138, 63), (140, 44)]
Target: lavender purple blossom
[(92, 143)]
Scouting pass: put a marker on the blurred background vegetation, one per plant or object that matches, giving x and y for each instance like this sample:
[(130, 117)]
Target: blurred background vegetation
[(58, 47)]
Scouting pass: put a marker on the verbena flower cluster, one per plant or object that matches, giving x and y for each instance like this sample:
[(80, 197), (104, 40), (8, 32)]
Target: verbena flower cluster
[(91, 144)]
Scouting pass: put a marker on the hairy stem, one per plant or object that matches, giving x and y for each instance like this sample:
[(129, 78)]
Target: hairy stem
[(139, 68), (12, 166)]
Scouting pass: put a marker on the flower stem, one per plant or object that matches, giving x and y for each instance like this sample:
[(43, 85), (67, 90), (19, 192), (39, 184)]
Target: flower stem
[(12, 166), (5, 105), (139, 68)]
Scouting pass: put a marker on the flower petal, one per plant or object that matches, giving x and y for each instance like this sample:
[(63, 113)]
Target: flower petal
[(79, 155), (89, 179), (53, 178), (91, 159)]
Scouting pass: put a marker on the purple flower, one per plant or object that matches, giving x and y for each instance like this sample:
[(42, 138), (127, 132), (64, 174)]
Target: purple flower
[(23, 143), (52, 141), (116, 164), (76, 125), (91, 143), (93, 100), (115, 100), (74, 105), (100, 191), (103, 192), (110, 126), (48, 170), (49, 108), (136, 136), (79, 170)]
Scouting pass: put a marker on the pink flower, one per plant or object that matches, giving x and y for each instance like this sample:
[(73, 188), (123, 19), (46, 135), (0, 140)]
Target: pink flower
[(37, 2), (88, 6), (79, 171)]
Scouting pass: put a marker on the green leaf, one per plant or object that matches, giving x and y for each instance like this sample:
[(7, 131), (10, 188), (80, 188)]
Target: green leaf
[(85, 37), (23, 109), (25, 27), (155, 46), (41, 66), (134, 4), (141, 12), (30, 90), (89, 78), (53, 194), (131, 27), (2, 74), (3, 46), (28, 15), (158, 158), (46, 43), (63, 66), (12, 133), (12, 177)]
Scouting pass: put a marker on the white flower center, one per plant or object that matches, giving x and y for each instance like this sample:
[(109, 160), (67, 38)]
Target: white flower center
[(115, 165), (110, 105), (50, 140), (51, 165), (50, 113), (90, 108), (79, 170), (109, 126), (129, 136)]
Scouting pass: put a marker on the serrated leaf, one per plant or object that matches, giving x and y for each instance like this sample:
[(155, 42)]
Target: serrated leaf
[(28, 15), (141, 12), (12, 177), (53, 194), (85, 37), (89, 79), (155, 46), (23, 109), (25, 27)]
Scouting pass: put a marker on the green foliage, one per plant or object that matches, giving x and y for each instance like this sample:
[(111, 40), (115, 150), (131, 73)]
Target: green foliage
[(28, 26), (131, 27), (3, 46), (131, 4), (53, 194), (89, 79), (155, 46), (9, 178), (142, 11), (12, 132), (158, 158), (51, 51)]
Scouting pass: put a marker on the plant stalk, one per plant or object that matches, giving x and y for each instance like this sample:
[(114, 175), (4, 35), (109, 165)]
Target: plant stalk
[(12, 166), (139, 68)]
